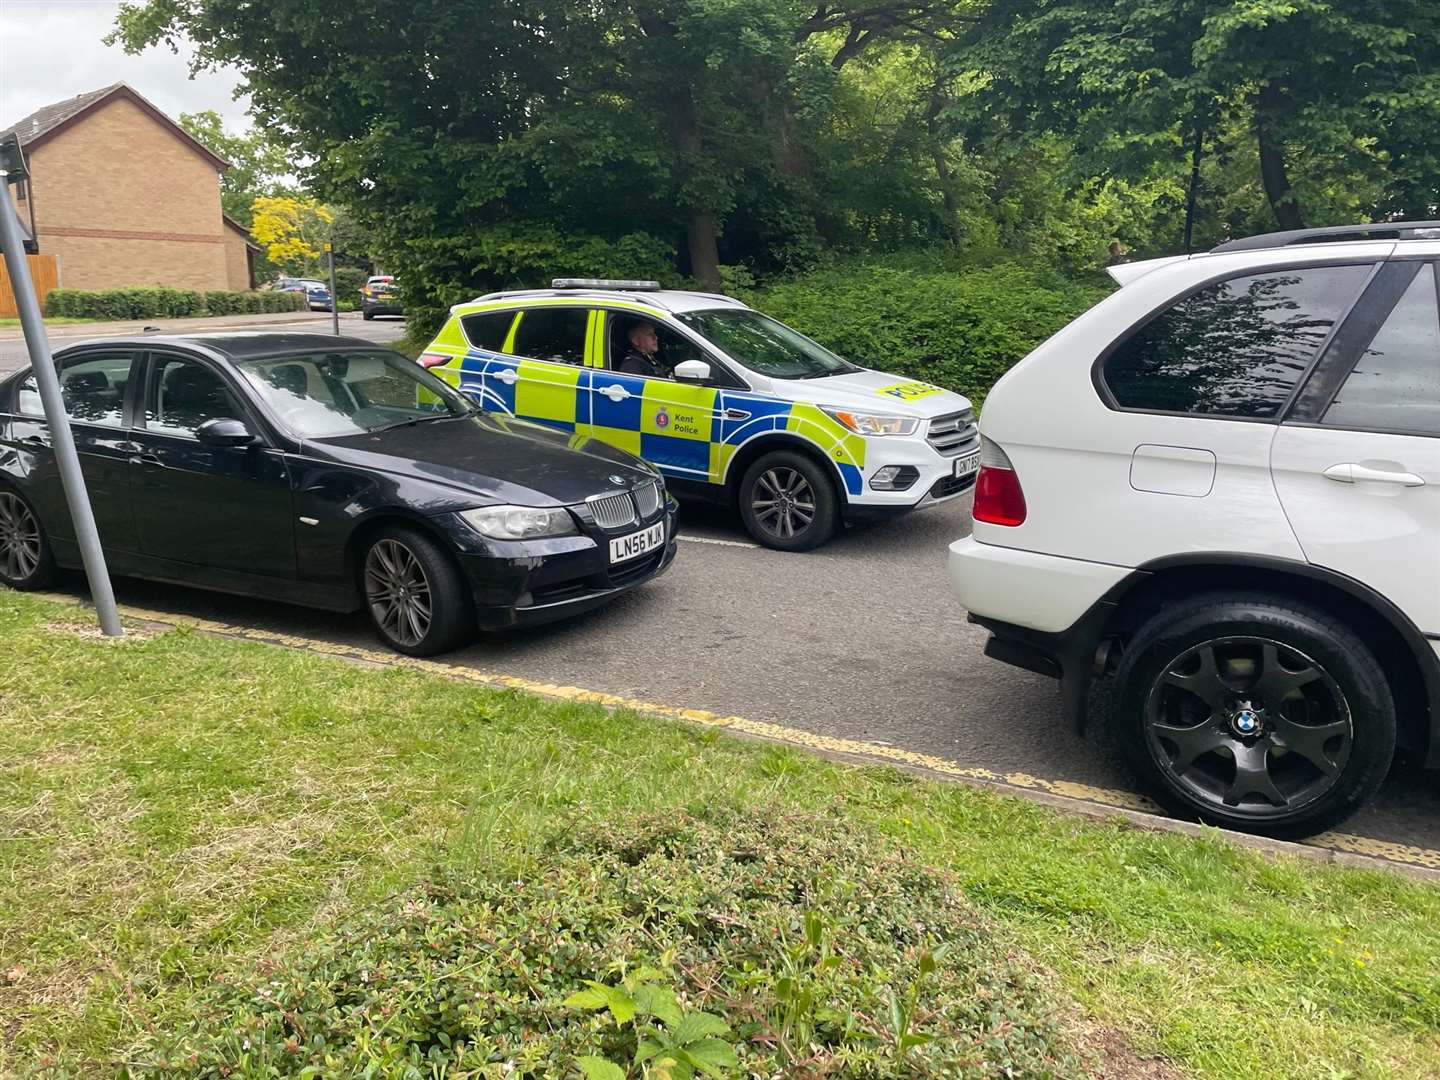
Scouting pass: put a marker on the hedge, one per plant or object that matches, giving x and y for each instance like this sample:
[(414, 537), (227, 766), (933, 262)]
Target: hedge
[(160, 303), (961, 327)]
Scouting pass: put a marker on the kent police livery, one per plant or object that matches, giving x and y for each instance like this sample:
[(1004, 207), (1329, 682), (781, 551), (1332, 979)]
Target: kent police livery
[(798, 438)]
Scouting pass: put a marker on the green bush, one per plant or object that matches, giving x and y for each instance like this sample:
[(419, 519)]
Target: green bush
[(225, 302), (349, 280), (960, 327), (761, 944), (163, 303)]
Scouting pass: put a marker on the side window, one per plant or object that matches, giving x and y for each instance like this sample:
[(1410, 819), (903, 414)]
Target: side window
[(1395, 384), (184, 394), (555, 334), (1236, 348), (633, 350), (93, 389), (488, 329)]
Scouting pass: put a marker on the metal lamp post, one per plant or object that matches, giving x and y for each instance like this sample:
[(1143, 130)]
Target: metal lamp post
[(12, 241)]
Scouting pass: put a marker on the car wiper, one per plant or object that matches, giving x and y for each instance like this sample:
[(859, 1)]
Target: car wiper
[(421, 420)]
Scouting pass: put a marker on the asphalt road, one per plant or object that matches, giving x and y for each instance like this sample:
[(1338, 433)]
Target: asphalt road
[(860, 639), (14, 355)]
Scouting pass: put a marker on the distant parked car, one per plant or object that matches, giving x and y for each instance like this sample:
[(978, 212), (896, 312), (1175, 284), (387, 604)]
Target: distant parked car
[(380, 296), (323, 471), (317, 293)]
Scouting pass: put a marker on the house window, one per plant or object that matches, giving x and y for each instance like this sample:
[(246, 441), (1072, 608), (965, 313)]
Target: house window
[(22, 191)]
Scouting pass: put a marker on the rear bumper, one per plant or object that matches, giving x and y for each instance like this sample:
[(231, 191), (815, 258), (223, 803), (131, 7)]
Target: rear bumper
[(382, 307), (1045, 614), (528, 583)]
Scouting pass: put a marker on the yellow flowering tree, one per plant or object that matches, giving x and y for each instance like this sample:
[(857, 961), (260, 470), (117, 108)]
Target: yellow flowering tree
[(293, 232)]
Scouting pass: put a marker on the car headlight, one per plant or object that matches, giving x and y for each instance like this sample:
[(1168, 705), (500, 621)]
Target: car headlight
[(519, 522), (872, 423)]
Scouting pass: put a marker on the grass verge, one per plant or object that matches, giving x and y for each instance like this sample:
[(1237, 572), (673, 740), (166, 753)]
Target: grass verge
[(182, 817)]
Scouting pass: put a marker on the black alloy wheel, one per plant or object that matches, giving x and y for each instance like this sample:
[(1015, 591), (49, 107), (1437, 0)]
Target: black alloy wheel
[(25, 559), (1246, 722), (1255, 713)]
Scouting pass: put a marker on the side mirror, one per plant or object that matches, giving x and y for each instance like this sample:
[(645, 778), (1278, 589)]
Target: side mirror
[(692, 371), (223, 431)]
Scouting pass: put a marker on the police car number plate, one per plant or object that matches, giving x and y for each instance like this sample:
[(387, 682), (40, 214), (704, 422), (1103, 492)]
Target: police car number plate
[(637, 544), (968, 464)]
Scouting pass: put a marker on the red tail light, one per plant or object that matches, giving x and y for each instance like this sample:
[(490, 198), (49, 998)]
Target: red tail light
[(998, 498), (429, 360)]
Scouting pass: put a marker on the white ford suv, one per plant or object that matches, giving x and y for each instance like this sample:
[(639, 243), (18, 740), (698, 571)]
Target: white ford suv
[(1219, 491)]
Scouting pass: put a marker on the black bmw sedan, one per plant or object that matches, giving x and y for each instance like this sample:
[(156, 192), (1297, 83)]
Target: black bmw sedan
[(327, 472)]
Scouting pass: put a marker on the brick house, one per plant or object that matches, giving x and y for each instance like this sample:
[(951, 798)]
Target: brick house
[(122, 196)]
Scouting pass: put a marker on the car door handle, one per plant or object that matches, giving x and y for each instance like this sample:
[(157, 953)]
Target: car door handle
[(507, 376), (616, 393), (147, 459), (40, 442), (1351, 473)]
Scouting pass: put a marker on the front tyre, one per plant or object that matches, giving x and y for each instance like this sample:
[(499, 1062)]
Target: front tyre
[(788, 502), (1254, 712), (414, 593), (26, 561)]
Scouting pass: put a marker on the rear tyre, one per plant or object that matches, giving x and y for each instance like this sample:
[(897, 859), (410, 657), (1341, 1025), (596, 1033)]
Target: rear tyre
[(788, 502), (1254, 712), (414, 593), (26, 561), (366, 314)]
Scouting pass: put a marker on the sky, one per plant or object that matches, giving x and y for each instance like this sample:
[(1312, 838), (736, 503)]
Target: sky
[(51, 50)]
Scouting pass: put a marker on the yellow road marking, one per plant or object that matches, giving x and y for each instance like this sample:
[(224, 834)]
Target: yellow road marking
[(1408, 854)]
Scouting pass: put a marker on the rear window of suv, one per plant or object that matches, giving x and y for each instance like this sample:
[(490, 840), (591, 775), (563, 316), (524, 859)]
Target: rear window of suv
[(1236, 348)]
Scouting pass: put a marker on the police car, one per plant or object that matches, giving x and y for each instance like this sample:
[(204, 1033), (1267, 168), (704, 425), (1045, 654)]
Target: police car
[(752, 412)]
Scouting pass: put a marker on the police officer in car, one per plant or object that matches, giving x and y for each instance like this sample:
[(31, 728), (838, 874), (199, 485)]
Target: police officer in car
[(643, 356)]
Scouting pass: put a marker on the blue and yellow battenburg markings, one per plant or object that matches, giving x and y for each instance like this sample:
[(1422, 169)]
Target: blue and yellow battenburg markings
[(690, 432)]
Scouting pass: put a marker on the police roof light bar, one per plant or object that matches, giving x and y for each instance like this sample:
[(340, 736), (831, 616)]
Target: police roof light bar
[(42, 363), (605, 283)]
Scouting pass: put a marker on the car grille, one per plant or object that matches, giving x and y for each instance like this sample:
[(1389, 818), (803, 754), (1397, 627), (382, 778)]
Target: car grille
[(647, 499), (954, 433), (613, 511)]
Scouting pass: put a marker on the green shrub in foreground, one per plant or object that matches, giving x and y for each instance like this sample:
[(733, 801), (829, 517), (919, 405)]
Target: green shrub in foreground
[(739, 943), (162, 303), (961, 328)]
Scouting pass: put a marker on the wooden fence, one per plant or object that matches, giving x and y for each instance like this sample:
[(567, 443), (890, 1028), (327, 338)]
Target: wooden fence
[(45, 274)]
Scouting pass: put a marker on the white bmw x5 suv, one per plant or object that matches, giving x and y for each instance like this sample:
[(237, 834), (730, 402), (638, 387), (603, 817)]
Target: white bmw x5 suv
[(1218, 491)]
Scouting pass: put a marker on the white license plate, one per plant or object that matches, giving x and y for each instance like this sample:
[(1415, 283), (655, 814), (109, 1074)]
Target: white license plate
[(637, 544), (968, 464)]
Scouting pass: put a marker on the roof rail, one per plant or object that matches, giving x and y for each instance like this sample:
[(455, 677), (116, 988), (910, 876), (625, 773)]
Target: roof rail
[(1380, 230)]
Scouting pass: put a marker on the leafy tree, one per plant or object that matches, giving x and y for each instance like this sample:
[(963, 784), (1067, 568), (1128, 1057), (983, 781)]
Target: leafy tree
[(293, 232), (1320, 97)]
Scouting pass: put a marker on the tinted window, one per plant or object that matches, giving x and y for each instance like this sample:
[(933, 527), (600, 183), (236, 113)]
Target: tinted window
[(1236, 348), (184, 394), (93, 389), (556, 334), (1396, 382), (488, 331)]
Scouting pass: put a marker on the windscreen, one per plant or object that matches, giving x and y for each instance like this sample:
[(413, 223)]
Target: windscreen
[(350, 392), (765, 345)]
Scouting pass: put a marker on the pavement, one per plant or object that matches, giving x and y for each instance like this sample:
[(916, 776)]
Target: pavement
[(13, 354), (859, 642)]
